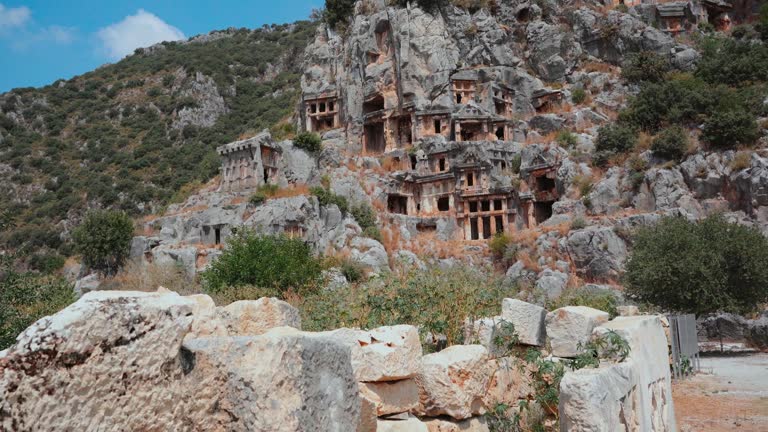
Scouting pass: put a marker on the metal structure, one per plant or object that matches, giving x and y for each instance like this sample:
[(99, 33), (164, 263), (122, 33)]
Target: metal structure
[(684, 345)]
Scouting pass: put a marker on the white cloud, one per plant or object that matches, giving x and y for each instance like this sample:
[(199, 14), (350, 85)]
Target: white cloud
[(54, 34), (136, 31), (13, 17)]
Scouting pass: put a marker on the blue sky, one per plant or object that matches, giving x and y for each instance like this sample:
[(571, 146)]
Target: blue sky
[(44, 40)]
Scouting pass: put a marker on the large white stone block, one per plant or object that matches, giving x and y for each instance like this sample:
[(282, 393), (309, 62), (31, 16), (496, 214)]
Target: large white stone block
[(383, 354), (527, 318), (454, 381), (633, 395), (570, 326), (283, 380)]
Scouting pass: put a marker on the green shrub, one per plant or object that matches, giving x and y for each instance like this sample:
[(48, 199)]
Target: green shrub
[(325, 197), (257, 198), (699, 267), (25, 298), (352, 270), (46, 263), (435, 299), (605, 301), (308, 141), (614, 139), (498, 244), (671, 143), (730, 128), (566, 139), (645, 66), (366, 218), (104, 240), (578, 223), (733, 62), (578, 95), (273, 262)]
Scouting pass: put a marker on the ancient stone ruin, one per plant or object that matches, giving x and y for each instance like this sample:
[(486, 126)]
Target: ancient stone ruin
[(161, 362)]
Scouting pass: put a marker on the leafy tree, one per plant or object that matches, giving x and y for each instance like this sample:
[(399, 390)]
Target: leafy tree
[(613, 139), (730, 128), (308, 141), (104, 240), (274, 262), (645, 66), (699, 267), (671, 143)]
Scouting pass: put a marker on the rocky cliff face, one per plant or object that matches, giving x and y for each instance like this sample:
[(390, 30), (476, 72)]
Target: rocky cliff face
[(456, 125)]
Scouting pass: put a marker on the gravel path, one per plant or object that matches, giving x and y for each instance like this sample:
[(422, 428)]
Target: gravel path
[(730, 393)]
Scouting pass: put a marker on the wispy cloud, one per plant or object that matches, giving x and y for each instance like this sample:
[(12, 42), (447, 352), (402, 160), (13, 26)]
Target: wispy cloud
[(56, 35), (11, 18), (18, 29), (136, 31)]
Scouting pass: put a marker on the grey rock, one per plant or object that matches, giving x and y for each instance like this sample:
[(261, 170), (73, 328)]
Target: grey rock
[(552, 283), (86, 284), (598, 253)]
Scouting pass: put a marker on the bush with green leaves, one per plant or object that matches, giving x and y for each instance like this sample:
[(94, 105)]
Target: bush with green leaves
[(614, 139), (605, 301), (730, 128), (366, 218), (308, 141), (325, 197), (267, 261), (565, 138), (435, 299), (104, 240), (25, 298), (578, 95), (699, 267), (645, 66), (671, 143)]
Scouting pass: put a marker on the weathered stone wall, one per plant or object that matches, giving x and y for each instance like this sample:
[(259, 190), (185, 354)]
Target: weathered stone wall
[(635, 395), (159, 362)]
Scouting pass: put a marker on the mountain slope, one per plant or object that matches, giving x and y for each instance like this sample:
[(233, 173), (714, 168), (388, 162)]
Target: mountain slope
[(129, 135)]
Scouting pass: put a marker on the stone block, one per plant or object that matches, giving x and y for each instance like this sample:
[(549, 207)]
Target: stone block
[(453, 382), (255, 317), (283, 380), (509, 384), (391, 397), (633, 395), (570, 326), (474, 424), (382, 354), (412, 424), (527, 318)]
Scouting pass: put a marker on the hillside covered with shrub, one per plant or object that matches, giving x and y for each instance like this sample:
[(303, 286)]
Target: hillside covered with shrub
[(130, 135)]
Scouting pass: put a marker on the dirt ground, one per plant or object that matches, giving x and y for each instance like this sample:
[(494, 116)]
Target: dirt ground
[(730, 393)]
